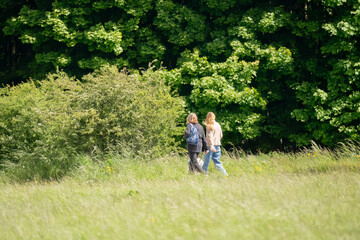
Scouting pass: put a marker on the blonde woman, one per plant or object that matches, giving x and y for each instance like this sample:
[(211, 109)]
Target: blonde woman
[(195, 141), (213, 139)]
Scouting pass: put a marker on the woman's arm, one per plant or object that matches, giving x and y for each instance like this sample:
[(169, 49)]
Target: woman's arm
[(221, 133), (210, 137), (205, 146), (187, 131)]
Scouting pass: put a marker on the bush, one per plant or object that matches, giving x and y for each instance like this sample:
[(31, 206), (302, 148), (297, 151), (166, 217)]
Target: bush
[(44, 125)]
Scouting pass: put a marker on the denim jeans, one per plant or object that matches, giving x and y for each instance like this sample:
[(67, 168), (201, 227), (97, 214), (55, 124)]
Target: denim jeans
[(215, 156)]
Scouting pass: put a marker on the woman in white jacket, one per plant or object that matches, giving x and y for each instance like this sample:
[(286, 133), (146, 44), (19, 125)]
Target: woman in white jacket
[(213, 140)]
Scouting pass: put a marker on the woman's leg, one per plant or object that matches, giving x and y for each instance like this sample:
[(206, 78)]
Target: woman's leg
[(207, 159), (194, 165), (216, 158)]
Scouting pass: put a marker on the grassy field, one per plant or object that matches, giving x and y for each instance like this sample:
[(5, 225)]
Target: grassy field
[(314, 194)]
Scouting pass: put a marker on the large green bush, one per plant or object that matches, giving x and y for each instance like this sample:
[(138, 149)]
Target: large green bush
[(43, 126)]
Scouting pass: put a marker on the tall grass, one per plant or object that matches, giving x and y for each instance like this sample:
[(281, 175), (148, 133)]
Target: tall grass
[(252, 207), (313, 194)]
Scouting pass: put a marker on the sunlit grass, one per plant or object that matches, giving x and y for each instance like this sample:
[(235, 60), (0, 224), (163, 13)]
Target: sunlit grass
[(313, 194)]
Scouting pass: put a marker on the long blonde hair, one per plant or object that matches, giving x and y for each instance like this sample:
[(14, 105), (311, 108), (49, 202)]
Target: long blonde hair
[(210, 120), (191, 118)]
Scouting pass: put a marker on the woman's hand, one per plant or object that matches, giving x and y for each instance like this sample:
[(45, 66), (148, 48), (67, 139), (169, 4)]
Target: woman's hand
[(213, 149)]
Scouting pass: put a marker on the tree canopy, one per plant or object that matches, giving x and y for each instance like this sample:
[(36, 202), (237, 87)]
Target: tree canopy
[(277, 74)]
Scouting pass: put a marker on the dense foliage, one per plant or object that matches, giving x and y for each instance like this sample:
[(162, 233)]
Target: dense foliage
[(44, 125), (276, 74)]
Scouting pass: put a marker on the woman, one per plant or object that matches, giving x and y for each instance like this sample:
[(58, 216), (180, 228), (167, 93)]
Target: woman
[(195, 131), (213, 138)]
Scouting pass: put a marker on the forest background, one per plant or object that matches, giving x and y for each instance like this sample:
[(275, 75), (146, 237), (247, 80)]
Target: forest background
[(278, 75), (94, 97)]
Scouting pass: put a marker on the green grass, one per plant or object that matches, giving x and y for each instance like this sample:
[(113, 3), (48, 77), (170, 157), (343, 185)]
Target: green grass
[(310, 195)]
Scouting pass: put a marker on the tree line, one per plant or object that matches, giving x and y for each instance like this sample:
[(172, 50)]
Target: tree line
[(277, 74)]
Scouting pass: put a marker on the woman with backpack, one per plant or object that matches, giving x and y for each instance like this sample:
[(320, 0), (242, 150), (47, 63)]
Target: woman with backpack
[(213, 137), (195, 141)]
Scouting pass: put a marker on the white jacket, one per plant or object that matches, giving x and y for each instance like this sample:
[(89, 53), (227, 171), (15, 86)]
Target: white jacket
[(214, 136)]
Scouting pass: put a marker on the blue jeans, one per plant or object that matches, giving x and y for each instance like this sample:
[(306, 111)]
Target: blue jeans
[(215, 156)]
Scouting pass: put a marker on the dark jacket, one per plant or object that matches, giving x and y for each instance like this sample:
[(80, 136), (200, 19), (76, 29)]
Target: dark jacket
[(202, 142)]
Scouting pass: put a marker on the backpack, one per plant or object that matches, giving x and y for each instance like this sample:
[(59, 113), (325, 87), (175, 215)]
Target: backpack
[(194, 135)]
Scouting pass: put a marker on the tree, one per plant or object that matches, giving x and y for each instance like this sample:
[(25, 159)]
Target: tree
[(79, 36), (329, 91), (298, 61)]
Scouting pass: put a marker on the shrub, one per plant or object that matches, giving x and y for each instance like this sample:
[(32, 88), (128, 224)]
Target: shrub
[(44, 125)]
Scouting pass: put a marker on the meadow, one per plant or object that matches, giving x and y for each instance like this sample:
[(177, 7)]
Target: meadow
[(312, 194)]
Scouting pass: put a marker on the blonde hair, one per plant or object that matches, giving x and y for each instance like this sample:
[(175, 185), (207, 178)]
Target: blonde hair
[(210, 120), (191, 118)]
